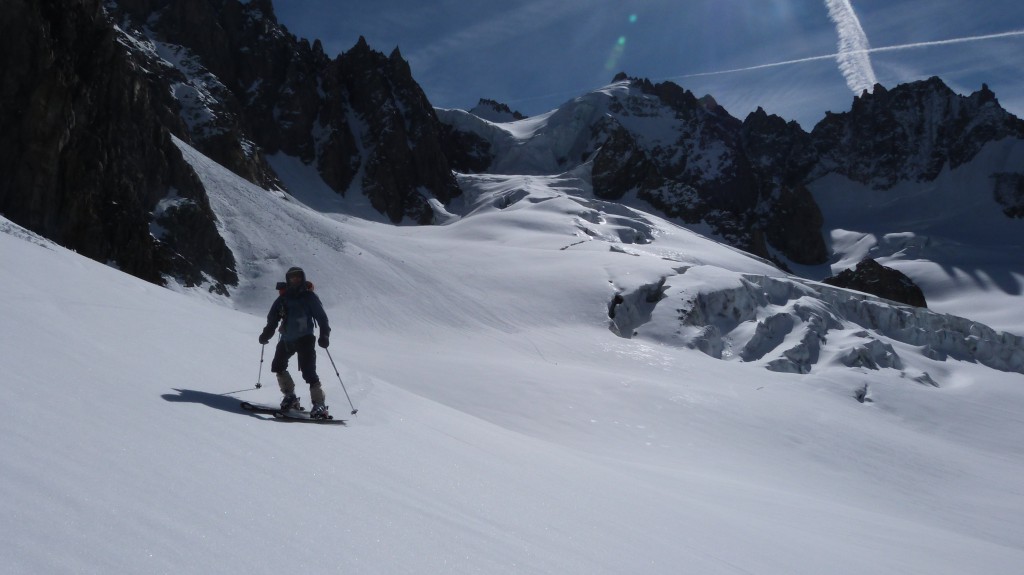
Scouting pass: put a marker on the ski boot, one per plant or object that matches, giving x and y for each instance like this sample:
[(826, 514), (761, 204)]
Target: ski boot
[(290, 401), (319, 411)]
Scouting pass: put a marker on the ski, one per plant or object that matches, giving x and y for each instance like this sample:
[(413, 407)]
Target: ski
[(292, 416), (300, 415), (268, 409)]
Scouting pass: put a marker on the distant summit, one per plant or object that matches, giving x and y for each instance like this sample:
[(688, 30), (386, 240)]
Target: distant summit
[(747, 181), (496, 112)]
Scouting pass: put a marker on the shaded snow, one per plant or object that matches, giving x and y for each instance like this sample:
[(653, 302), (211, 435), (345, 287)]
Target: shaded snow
[(950, 236)]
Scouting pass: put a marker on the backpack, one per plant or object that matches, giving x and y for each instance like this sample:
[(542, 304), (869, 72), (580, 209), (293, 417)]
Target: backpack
[(282, 287)]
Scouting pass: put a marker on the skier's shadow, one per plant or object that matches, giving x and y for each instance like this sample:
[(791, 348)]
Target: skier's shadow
[(214, 400)]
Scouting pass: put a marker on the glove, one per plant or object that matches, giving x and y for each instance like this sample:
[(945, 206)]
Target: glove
[(324, 341), (268, 333)]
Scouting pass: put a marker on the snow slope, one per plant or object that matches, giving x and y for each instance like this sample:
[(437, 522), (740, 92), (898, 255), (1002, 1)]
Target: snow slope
[(506, 424)]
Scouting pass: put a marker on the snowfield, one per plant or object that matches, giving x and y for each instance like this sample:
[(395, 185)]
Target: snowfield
[(728, 419)]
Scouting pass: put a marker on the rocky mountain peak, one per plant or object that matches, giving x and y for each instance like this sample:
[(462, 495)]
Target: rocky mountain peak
[(403, 137), (708, 167), (269, 92), (910, 133), (361, 46), (494, 111)]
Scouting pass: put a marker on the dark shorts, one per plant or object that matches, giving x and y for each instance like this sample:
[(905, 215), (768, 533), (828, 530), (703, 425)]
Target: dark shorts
[(306, 350)]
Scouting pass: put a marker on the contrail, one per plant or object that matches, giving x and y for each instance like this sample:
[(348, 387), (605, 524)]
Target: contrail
[(853, 57), (910, 46), (895, 48)]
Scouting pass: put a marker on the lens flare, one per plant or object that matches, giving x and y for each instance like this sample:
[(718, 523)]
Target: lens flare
[(617, 50), (612, 63)]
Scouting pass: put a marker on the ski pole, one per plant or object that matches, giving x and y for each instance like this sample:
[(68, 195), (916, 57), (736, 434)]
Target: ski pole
[(238, 391), (258, 384), (354, 410)]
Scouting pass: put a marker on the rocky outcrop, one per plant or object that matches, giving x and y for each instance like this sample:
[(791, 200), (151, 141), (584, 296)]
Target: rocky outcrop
[(1009, 193), (872, 277), (204, 52), (86, 156), (621, 164)]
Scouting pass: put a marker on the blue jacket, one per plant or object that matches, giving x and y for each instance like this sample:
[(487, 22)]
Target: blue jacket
[(299, 310)]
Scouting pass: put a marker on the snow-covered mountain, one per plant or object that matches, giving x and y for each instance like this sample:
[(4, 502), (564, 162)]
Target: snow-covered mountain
[(757, 183)]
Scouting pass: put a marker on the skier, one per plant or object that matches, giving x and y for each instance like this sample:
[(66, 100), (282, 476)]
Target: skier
[(298, 310)]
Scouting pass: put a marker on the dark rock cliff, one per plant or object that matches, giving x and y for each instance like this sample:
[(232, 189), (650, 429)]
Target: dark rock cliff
[(93, 93), (360, 119), (85, 155)]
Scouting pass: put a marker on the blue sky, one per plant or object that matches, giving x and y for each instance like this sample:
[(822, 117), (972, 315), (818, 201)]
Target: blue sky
[(537, 54)]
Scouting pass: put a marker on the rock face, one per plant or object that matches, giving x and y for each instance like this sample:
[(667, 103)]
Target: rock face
[(86, 157), (872, 277), (781, 155), (405, 152), (247, 88)]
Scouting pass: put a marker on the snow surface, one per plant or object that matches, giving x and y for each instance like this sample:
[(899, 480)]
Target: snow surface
[(506, 423)]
